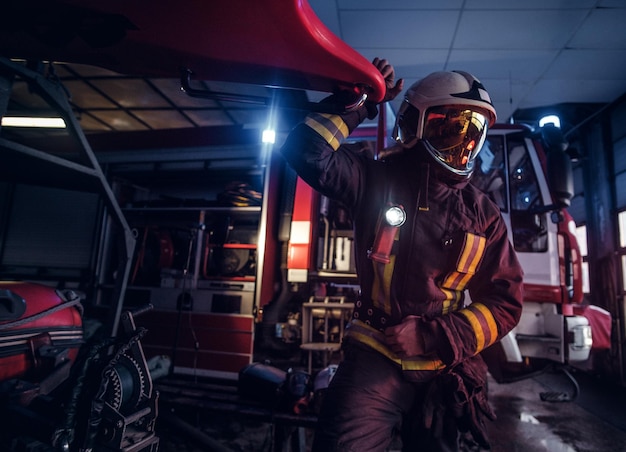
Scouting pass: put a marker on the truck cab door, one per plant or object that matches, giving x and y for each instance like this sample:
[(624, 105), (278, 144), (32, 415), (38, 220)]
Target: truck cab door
[(509, 170)]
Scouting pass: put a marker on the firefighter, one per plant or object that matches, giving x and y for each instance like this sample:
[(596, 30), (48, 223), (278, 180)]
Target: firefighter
[(424, 237)]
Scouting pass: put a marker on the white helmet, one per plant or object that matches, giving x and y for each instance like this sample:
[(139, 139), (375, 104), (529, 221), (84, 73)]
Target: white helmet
[(450, 113)]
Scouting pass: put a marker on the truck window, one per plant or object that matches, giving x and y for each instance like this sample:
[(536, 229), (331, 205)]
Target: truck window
[(528, 221), (524, 202), (489, 175)]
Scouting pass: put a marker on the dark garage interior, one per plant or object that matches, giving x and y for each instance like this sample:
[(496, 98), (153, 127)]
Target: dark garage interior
[(167, 281)]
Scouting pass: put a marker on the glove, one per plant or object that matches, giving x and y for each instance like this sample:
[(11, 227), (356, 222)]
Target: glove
[(405, 339), (393, 88)]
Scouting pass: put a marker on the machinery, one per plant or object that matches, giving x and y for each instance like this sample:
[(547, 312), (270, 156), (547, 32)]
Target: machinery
[(68, 381), (62, 393)]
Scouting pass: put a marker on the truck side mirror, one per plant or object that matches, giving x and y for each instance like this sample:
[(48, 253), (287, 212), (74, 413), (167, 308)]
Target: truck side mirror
[(559, 166)]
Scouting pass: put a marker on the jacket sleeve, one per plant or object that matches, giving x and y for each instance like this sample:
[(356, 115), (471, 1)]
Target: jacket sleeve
[(495, 308), (313, 149)]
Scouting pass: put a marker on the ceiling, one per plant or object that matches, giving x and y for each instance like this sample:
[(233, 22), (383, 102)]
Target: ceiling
[(532, 55)]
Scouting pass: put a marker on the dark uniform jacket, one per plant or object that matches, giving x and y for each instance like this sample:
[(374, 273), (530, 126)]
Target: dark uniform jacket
[(454, 239)]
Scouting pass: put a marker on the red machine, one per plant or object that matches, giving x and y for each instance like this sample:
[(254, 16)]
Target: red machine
[(40, 329)]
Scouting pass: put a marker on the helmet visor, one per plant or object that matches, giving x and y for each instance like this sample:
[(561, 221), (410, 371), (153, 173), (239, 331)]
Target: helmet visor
[(455, 136), (407, 123)]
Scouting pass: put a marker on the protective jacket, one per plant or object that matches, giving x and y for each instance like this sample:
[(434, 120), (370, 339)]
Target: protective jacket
[(454, 239)]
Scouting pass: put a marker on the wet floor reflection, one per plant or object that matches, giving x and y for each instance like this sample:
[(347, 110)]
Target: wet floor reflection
[(527, 424)]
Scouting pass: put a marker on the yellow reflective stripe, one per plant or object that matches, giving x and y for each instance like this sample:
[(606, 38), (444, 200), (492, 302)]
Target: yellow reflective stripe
[(381, 287), (323, 132), (422, 364), (478, 330), (371, 342), (490, 319), (330, 127), (445, 308), (451, 301), (387, 282), (457, 280), (376, 340), (477, 325), (464, 280), (473, 248)]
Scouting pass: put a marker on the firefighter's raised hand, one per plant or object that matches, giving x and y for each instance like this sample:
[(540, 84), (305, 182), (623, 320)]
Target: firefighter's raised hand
[(393, 87), (405, 339)]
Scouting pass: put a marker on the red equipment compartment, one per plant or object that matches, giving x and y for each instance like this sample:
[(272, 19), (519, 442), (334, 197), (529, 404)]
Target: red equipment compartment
[(56, 330)]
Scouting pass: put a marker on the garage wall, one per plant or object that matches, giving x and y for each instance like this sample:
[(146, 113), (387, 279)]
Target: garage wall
[(46, 232)]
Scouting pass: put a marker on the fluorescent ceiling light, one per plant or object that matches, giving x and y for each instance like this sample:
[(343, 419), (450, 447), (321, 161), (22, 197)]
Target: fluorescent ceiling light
[(24, 121)]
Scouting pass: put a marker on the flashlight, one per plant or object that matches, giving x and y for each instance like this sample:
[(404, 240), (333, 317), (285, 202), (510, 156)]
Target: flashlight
[(391, 219)]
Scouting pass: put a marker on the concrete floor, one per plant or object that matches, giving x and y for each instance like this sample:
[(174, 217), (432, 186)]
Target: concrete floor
[(594, 422)]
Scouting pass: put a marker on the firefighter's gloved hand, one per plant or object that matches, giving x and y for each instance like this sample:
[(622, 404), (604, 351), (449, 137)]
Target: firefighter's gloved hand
[(393, 87), (405, 339)]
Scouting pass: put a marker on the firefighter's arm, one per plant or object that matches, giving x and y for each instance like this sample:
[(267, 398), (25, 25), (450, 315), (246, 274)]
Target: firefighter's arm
[(496, 294), (311, 147)]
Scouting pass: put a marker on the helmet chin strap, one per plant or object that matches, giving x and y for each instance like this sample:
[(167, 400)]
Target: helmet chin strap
[(422, 201)]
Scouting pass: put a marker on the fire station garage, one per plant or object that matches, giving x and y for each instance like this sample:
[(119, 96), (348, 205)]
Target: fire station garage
[(168, 282)]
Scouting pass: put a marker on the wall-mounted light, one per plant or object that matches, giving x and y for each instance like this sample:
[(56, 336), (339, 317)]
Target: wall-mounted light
[(550, 119), (26, 121)]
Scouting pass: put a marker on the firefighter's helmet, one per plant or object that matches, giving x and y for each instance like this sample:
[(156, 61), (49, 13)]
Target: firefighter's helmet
[(450, 113)]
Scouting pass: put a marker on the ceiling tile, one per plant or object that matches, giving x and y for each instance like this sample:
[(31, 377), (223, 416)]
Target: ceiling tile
[(409, 63), (130, 92), (507, 30), (89, 124), (550, 92), (530, 4), (119, 120), (163, 119), (84, 96), (603, 29), (206, 118), (505, 64), (589, 65), (398, 4), (506, 95), (398, 29)]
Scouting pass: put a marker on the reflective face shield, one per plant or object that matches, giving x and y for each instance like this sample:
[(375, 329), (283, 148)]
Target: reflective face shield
[(455, 136), (452, 134)]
